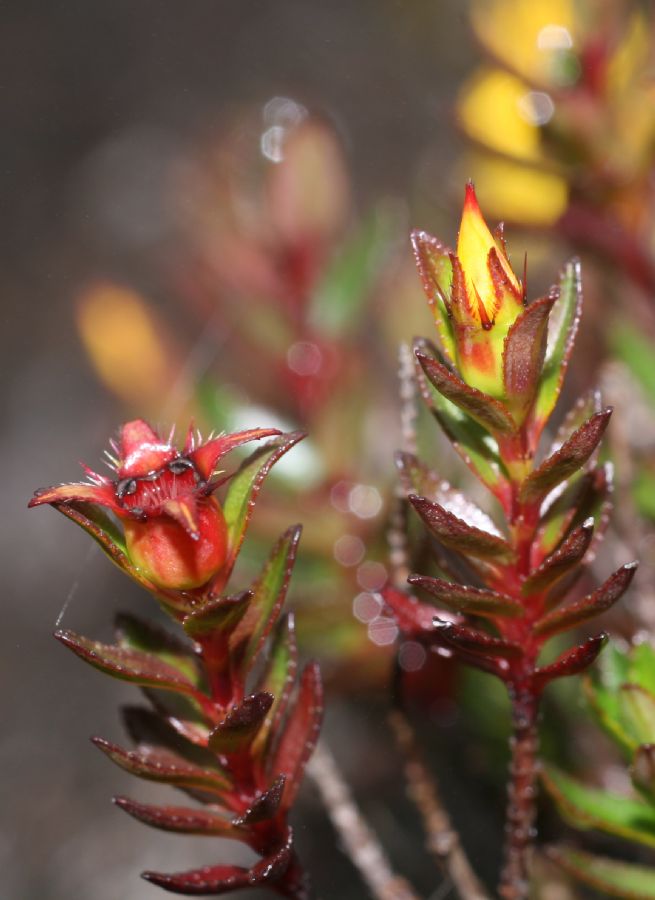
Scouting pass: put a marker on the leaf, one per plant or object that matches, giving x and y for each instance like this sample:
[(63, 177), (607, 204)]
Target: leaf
[(244, 487), (468, 600), (417, 478), (278, 680), (586, 807), (150, 732), (238, 729), (563, 327), (265, 806), (602, 690), (158, 764), (472, 641), (269, 592), (215, 880), (413, 618), (609, 876), (473, 443), (178, 818), (571, 662), (436, 272), (523, 356), (134, 634), (300, 734), (634, 348), (128, 665), (637, 706), (454, 533), (339, 301), (643, 770), (221, 615), (571, 456), (566, 557), (485, 410), (588, 607)]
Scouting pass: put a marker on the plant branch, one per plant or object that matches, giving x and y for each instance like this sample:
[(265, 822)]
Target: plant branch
[(359, 842), (442, 838)]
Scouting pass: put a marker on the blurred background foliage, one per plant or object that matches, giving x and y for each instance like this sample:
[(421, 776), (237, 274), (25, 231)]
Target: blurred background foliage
[(207, 210)]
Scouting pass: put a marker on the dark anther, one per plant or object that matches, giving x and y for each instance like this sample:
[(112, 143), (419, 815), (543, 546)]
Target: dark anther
[(180, 465), (138, 512), (125, 487)]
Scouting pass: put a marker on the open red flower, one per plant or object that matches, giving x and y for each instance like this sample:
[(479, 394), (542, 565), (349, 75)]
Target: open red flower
[(174, 530)]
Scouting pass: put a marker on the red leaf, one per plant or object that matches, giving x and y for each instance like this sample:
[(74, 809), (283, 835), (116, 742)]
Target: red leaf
[(592, 605), (128, 665), (207, 455), (240, 726), (156, 764), (221, 615), (565, 558), (523, 356), (301, 731), (571, 456), (468, 600), (485, 410), (457, 535), (150, 731), (178, 818), (413, 618), (477, 643), (265, 806), (571, 662)]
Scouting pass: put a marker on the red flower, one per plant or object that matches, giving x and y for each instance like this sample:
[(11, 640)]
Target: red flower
[(174, 530)]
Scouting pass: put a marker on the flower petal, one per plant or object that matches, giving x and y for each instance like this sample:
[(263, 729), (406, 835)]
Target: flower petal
[(103, 495), (207, 455)]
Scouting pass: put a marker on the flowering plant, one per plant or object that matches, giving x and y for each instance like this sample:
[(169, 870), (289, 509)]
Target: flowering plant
[(231, 733)]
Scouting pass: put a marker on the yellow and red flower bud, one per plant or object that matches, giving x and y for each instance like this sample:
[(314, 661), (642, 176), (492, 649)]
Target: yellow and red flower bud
[(478, 296)]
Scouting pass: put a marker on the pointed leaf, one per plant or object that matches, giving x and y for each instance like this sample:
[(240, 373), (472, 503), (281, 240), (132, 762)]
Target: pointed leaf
[(128, 665), (566, 557), (436, 271), (238, 730), (221, 615), (571, 456), (133, 633), (151, 733), (523, 356), (472, 641), (602, 690), (244, 487), (265, 806), (413, 618), (485, 410), (269, 592), (468, 600), (178, 818), (571, 662), (157, 764), (586, 807), (215, 880), (473, 443), (588, 607), (278, 680), (417, 478), (301, 731), (563, 327), (609, 876), (454, 533), (643, 770)]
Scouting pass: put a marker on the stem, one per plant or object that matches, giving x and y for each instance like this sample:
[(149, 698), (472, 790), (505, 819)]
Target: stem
[(521, 797), (443, 839), (358, 840)]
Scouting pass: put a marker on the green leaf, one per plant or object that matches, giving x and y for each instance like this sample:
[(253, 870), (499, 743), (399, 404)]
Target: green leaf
[(586, 807), (637, 706), (278, 680), (244, 486), (642, 666), (610, 876), (134, 634), (636, 350), (602, 689), (563, 326), (268, 595), (436, 270), (475, 445), (339, 302)]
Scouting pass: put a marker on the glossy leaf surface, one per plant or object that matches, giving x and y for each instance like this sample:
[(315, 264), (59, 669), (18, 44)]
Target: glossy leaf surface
[(468, 600), (239, 728), (456, 534), (523, 356)]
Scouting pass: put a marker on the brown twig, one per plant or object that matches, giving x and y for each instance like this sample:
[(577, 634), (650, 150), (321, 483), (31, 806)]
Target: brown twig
[(442, 838), (358, 840)]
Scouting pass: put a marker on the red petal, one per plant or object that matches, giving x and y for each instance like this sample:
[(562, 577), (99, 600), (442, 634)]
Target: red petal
[(142, 450), (207, 455), (103, 495)]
